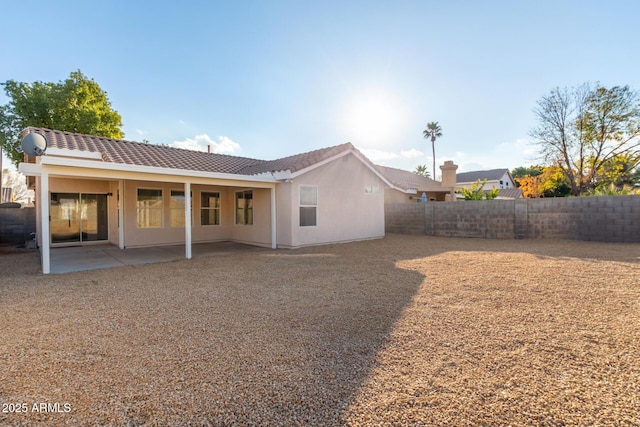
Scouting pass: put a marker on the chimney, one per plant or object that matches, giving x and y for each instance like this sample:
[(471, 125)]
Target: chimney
[(449, 174), (208, 148)]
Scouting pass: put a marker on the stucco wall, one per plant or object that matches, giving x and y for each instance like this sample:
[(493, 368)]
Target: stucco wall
[(259, 233), (344, 213), (607, 219)]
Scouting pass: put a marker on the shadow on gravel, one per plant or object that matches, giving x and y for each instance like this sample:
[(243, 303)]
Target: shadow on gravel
[(245, 338)]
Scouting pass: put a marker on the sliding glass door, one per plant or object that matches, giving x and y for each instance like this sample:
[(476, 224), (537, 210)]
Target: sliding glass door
[(78, 217)]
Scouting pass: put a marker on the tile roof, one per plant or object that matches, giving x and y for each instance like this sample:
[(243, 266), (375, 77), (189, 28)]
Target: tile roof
[(298, 161), (510, 193), (142, 154), (407, 180), (473, 176)]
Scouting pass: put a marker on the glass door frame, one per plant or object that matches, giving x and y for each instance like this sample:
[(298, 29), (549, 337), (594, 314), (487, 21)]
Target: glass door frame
[(79, 207)]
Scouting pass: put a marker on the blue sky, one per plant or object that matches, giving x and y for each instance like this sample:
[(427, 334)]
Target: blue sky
[(267, 79)]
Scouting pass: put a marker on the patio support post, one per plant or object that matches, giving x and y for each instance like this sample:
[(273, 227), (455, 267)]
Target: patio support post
[(120, 202), (274, 241), (187, 219), (44, 209)]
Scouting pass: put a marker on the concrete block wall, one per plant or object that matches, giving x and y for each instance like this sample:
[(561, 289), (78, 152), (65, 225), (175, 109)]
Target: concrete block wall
[(604, 219), (16, 225), (405, 218)]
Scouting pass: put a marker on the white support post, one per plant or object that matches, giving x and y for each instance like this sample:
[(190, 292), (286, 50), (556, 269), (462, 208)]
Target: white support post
[(46, 234), (120, 201), (187, 219), (274, 226)]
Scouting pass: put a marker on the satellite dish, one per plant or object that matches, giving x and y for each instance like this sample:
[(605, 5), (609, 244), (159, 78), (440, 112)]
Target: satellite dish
[(34, 144)]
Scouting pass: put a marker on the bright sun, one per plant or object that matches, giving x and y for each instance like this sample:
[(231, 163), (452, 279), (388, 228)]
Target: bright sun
[(372, 120)]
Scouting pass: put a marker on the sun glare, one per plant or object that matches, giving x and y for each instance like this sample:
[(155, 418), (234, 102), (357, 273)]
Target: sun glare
[(372, 120)]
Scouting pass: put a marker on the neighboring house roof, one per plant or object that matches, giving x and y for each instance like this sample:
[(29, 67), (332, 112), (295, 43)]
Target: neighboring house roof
[(510, 193), (489, 175), (407, 180), (141, 154)]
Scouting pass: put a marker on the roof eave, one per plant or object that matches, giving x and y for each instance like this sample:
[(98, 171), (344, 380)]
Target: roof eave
[(122, 167)]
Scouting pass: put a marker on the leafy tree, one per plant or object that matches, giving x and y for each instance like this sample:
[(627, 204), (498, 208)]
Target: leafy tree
[(554, 182), (530, 186), (477, 192), (17, 183), (522, 171), (580, 129), (77, 104), (551, 182), (422, 171), (613, 190), (620, 171), (432, 132)]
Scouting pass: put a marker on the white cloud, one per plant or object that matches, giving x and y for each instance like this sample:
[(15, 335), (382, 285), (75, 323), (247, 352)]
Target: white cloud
[(376, 155), (141, 132), (504, 155), (202, 142), (411, 154)]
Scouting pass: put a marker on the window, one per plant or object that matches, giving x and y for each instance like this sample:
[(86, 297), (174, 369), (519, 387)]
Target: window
[(149, 208), (176, 204), (371, 189), (244, 207), (209, 208), (308, 205)]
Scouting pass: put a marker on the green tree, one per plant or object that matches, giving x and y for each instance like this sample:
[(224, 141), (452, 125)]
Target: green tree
[(619, 172), (422, 171), (581, 129), (432, 132), (477, 192), (77, 104), (522, 171)]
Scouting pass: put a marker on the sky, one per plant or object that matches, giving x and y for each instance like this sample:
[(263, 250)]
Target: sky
[(268, 79)]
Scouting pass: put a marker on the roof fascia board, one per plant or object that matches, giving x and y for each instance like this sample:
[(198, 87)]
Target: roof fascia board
[(30, 169), (77, 154), (150, 170)]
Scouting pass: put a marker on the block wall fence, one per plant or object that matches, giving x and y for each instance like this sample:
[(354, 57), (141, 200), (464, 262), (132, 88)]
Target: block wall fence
[(17, 224), (602, 219)]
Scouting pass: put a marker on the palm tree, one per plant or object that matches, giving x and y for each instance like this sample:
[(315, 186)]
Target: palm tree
[(422, 171), (432, 132)]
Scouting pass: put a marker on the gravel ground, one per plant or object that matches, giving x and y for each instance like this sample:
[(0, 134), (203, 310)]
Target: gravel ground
[(408, 330)]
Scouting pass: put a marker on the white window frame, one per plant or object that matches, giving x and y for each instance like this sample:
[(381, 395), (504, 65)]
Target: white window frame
[(246, 209), (161, 208), (173, 210), (301, 205), (371, 189), (211, 208)]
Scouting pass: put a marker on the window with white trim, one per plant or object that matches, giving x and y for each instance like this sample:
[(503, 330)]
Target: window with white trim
[(371, 189), (244, 207), (149, 208), (176, 205), (210, 208), (308, 205)]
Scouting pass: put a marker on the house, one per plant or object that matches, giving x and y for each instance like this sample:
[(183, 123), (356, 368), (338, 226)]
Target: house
[(92, 190), (409, 186), (496, 178)]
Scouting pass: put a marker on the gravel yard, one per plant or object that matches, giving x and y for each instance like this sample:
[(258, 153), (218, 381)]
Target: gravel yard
[(408, 330)]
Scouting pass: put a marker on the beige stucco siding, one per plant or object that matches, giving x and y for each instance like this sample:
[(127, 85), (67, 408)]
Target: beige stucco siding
[(344, 212), (258, 234)]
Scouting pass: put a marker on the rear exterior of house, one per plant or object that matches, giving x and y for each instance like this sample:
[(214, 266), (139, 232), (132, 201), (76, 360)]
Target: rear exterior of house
[(96, 190)]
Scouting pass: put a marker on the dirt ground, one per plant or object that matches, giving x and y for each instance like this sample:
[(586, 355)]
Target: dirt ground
[(408, 330)]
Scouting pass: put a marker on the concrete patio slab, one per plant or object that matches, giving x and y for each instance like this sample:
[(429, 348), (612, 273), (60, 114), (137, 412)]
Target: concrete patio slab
[(93, 257)]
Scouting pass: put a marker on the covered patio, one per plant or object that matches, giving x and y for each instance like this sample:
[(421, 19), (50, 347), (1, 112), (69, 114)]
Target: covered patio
[(92, 257)]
